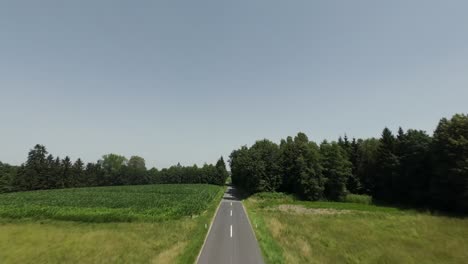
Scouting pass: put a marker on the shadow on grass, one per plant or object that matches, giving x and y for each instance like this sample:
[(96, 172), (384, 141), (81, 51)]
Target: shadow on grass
[(425, 209), (241, 194)]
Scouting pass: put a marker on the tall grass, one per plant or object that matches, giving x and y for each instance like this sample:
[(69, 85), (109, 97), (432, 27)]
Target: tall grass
[(321, 232)]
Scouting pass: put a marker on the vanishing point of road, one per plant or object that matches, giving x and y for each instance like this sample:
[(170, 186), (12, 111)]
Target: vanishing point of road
[(231, 239)]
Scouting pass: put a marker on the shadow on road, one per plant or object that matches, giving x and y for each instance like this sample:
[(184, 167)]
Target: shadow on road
[(233, 194)]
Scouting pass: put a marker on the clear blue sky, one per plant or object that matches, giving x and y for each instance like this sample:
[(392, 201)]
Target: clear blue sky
[(190, 81)]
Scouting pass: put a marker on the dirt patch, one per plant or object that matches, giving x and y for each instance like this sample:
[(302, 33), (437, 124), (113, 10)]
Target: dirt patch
[(299, 209)]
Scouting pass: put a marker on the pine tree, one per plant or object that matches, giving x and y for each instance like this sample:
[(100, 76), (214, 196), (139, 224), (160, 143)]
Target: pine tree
[(57, 174), (354, 184), (66, 171), (387, 168), (49, 177), (367, 164), (449, 187), (336, 170), (35, 169), (77, 174), (412, 186)]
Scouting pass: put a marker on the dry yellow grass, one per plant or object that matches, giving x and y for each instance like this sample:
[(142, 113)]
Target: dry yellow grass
[(71, 242)]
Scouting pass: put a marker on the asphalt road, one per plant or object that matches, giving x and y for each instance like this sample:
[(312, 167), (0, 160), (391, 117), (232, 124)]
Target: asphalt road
[(231, 239)]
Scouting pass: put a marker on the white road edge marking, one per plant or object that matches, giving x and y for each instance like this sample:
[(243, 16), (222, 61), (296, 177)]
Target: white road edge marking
[(231, 230)]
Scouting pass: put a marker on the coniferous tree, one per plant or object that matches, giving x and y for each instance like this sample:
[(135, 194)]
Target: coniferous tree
[(48, 180), (353, 183), (32, 174), (449, 187), (367, 164), (336, 170), (77, 174), (387, 168), (56, 173), (412, 185), (66, 170), (347, 146), (93, 174)]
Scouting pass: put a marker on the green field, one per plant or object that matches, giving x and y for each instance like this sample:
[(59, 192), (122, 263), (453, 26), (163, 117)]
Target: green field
[(125, 224), (110, 204), (291, 231)]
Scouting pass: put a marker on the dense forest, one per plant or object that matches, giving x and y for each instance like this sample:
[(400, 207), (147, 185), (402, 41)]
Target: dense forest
[(410, 168), (43, 171)]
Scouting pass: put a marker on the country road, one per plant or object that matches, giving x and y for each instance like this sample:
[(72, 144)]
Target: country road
[(231, 239)]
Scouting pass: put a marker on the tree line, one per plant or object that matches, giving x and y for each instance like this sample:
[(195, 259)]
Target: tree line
[(43, 171), (410, 168)]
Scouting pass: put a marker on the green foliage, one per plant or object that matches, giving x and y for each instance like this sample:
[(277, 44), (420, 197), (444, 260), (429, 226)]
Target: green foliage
[(337, 169), (208, 174), (137, 163), (221, 172), (353, 183), (7, 172), (32, 175), (110, 204), (301, 168), (42, 171), (412, 184), (256, 169), (366, 167), (387, 168), (113, 162), (449, 186)]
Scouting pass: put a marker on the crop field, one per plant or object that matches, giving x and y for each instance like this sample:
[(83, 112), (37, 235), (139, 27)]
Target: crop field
[(291, 231), (110, 204), (124, 224)]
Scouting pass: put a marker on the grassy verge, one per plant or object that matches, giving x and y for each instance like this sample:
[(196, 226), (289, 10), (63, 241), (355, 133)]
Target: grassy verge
[(35, 239), (291, 231)]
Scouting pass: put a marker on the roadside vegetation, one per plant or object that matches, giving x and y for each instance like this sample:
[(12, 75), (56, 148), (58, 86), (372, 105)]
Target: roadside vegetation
[(340, 201), (295, 231), (122, 224), (411, 169)]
